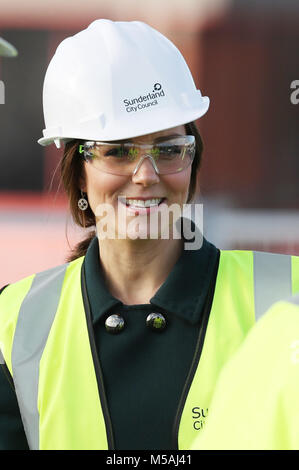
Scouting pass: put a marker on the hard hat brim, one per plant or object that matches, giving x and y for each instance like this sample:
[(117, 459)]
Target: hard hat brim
[(166, 122), (7, 49)]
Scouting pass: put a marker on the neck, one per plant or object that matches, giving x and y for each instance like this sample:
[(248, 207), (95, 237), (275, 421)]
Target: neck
[(135, 269)]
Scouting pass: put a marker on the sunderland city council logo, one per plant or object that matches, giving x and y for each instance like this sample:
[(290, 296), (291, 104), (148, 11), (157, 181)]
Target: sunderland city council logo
[(146, 100)]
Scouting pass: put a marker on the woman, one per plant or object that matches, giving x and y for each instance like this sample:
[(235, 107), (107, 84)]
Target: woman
[(121, 347)]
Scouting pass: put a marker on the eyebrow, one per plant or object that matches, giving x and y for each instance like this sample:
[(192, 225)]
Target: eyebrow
[(158, 139), (167, 137)]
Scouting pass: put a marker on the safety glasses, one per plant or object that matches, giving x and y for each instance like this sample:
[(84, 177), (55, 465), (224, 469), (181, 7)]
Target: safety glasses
[(167, 156)]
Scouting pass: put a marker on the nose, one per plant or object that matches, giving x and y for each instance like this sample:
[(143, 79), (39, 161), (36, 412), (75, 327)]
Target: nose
[(146, 172)]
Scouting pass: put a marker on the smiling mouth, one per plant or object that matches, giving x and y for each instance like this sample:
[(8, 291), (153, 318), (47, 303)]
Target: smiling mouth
[(144, 203)]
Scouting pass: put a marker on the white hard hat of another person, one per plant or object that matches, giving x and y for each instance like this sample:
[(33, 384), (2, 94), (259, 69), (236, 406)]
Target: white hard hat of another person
[(117, 80), (7, 49)]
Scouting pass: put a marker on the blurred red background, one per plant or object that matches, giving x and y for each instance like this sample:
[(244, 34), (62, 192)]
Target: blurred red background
[(242, 55)]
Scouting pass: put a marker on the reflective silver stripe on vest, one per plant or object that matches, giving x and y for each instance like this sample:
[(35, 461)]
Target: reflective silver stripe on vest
[(2, 361), (35, 319), (272, 280)]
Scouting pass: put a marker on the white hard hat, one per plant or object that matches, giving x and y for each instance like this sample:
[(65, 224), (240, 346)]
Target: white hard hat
[(117, 80), (7, 49)]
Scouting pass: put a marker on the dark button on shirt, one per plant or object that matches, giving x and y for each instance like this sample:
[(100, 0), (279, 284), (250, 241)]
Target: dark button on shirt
[(145, 372)]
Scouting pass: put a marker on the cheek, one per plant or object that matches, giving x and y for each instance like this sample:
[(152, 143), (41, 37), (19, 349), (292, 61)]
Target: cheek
[(102, 187), (178, 184)]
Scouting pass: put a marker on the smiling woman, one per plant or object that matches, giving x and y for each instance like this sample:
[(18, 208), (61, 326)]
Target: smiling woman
[(118, 347)]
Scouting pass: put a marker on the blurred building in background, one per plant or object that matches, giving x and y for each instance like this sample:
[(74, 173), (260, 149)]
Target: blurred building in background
[(242, 54)]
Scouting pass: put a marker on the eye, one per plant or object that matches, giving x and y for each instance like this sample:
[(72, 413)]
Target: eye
[(117, 152), (169, 151), (174, 149)]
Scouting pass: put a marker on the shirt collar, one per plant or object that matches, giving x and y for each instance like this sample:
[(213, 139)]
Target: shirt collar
[(185, 290), (183, 293)]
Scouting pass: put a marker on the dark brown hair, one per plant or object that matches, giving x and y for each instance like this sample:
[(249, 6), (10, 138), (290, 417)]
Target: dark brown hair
[(72, 169)]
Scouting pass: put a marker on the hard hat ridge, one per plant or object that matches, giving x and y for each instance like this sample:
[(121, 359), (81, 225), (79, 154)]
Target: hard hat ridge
[(117, 80)]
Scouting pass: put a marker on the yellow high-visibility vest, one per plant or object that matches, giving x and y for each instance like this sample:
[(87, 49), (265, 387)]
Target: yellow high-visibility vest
[(47, 343), (255, 404)]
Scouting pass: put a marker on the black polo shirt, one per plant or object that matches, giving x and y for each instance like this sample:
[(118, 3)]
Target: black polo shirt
[(144, 372)]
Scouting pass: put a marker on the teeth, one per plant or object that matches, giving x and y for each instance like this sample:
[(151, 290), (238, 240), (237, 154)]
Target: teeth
[(141, 203)]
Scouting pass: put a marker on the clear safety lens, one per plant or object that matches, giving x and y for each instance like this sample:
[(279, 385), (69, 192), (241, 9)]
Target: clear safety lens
[(122, 158)]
